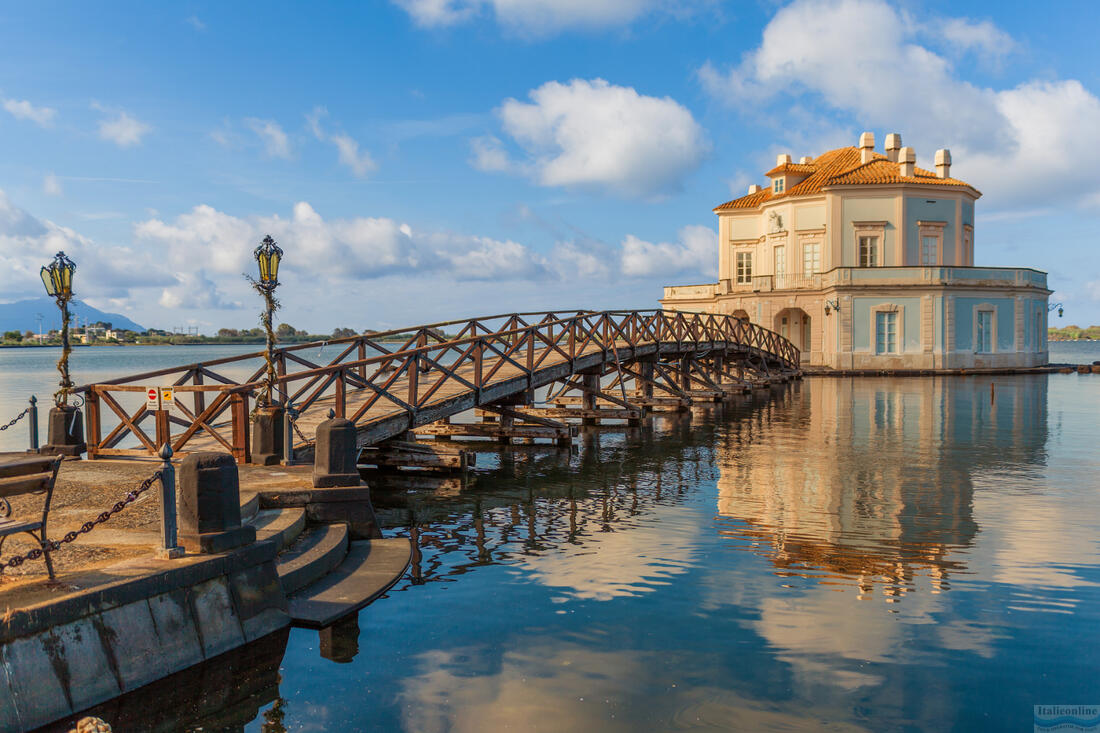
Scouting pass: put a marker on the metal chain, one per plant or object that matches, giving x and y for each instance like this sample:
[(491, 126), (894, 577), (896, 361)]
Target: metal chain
[(54, 545), (294, 414), (15, 419)]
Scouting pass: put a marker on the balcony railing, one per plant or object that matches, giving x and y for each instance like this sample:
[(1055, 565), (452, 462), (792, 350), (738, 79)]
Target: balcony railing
[(868, 276)]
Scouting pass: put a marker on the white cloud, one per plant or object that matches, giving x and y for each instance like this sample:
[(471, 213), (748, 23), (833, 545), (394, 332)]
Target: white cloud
[(338, 250), (276, 143), (196, 23), (24, 110), (489, 155), (361, 163), (190, 266), (697, 251), (866, 61), (539, 18), (51, 186), (986, 40), (436, 13), (597, 135), (121, 129), (103, 271)]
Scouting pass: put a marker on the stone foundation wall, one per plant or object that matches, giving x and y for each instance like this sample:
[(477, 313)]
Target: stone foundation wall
[(59, 658)]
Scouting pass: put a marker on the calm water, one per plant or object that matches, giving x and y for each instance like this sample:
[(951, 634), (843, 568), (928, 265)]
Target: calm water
[(872, 554)]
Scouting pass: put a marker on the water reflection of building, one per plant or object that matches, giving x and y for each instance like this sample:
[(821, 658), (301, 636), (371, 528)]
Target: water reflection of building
[(865, 481)]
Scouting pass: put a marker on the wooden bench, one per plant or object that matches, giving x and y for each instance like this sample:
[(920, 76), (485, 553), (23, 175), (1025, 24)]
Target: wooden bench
[(21, 477)]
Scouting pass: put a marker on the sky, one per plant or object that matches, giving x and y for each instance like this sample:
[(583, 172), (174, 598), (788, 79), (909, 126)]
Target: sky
[(429, 160)]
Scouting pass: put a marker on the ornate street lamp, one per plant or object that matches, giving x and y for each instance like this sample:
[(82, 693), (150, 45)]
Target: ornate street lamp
[(66, 431), (267, 420), (268, 255), (1052, 306), (58, 279)]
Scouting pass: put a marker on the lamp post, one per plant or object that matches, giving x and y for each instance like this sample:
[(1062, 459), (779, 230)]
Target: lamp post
[(267, 435), (58, 279), (268, 256), (66, 432)]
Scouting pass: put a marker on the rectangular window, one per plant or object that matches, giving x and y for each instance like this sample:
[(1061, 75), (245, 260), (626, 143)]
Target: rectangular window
[(780, 261), (777, 185), (886, 332), (984, 337), (929, 247), (868, 251), (811, 258), (744, 267)]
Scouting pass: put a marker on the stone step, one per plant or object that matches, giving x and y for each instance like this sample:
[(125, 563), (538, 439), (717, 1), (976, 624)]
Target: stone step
[(369, 570), (316, 553), (281, 525), (250, 504)]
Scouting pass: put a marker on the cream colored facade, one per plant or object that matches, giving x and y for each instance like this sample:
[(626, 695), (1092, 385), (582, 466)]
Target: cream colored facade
[(865, 261)]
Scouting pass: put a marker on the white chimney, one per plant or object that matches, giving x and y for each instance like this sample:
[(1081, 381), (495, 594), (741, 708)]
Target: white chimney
[(866, 147), (907, 162), (943, 163), (754, 188), (782, 159), (893, 145), (805, 160)]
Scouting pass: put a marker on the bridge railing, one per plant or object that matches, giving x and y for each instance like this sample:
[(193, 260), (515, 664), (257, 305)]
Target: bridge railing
[(403, 371)]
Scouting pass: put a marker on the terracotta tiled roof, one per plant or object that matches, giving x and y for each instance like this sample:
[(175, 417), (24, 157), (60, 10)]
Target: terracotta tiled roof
[(839, 167), (792, 168), (883, 171)]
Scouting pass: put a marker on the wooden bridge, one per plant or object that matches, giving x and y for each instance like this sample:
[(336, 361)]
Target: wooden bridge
[(596, 366)]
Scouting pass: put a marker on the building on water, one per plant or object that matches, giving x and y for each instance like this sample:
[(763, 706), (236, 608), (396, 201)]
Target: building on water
[(866, 261)]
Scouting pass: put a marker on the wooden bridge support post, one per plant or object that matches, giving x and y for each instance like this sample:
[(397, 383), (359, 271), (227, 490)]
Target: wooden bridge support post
[(646, 387), (506, 421), (590, 385), (684, 373)]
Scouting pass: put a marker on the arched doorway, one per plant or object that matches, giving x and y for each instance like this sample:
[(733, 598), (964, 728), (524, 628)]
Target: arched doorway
[(794, 324), (740, 314)]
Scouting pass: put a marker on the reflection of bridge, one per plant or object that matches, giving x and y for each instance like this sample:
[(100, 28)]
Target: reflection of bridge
[(388, 388)]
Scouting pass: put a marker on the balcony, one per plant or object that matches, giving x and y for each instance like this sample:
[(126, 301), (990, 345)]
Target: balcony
[(846, 277), (909, 276)]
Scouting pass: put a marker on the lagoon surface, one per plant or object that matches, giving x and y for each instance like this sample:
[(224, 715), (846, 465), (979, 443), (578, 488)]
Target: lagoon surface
[(846, 555)]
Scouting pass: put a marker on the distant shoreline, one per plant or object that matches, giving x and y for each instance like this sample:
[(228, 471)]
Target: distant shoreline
[(181, 343)]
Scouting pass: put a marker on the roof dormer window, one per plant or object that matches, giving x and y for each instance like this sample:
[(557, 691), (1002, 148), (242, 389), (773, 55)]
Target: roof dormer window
[(777, 185)]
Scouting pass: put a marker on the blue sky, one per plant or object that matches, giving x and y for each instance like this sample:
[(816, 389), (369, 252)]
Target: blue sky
[(421, 160)]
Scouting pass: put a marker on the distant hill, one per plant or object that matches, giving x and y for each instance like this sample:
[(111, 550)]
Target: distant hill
[(20, 316)]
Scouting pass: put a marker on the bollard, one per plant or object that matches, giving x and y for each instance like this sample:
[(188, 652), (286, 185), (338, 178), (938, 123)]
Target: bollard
[(32, 422), (336, 454), (65, 431), (267, 436), (210, 504), (170, 549)]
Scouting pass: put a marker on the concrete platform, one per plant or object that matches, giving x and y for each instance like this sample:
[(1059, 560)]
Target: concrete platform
[(371, 568)]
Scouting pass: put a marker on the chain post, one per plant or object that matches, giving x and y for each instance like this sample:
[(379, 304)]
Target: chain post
[(33, 423), (169, 547), (288, 433)]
